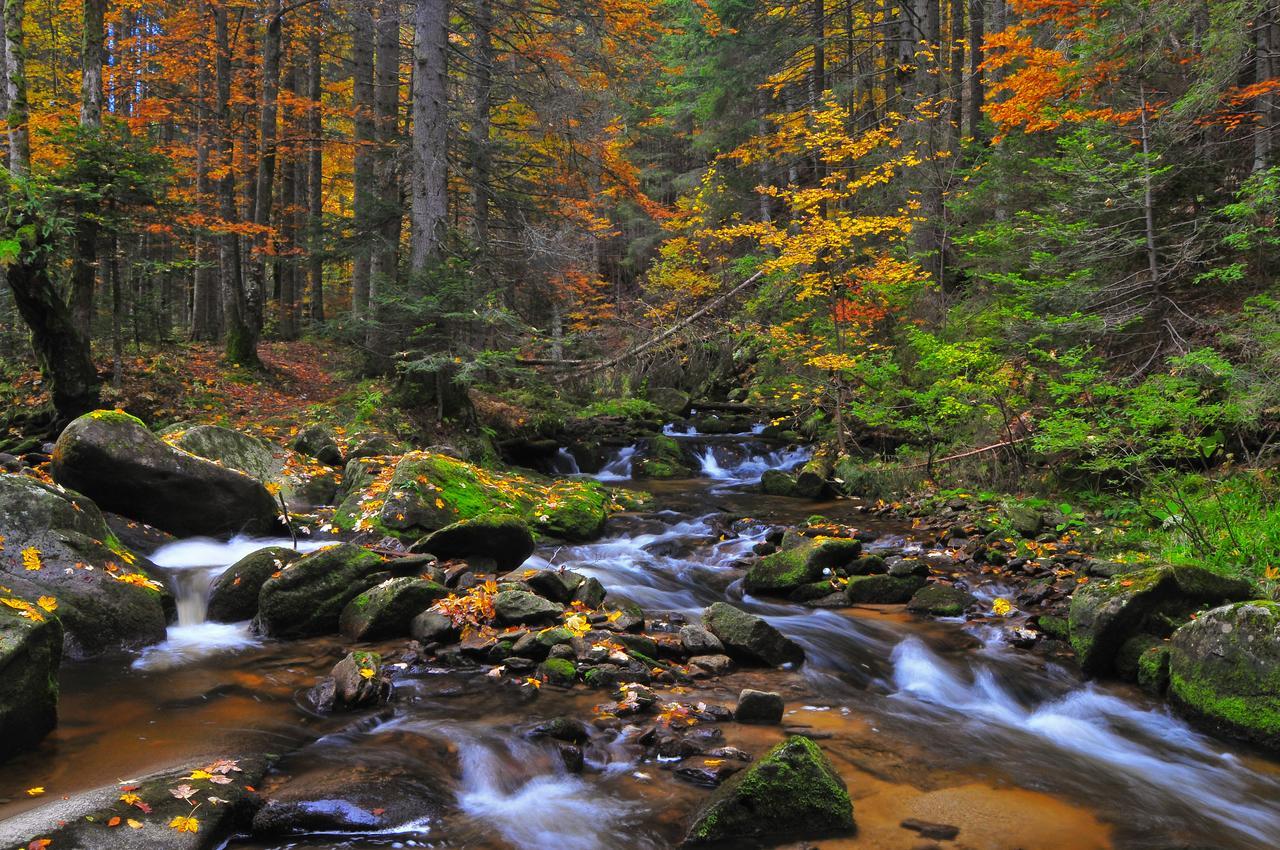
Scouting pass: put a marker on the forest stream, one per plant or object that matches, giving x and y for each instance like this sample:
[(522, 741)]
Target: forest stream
[(937, 720)]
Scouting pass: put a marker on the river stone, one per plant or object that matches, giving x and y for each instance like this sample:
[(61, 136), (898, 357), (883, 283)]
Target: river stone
[(521, 608), (882, 589), (113, 459), (302, 483), (556, 585), (360, 681), (433, 627), (82, 821), (748, 638), (387, 610), (30, 653), (98, 610), (1104, 614), (775, 482), (319, 442), (558, 671), (233, 596), (792, 793), (801, 560), (504, 539), (763, 707), (308, 596), (941, 600), (590, 593), (1224, 671), (698, 641)]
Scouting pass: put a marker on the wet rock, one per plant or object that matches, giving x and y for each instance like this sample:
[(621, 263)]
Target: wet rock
[(1224, 671), (113, 459), (84, 821), (360, 680), (762, 707), (711, 666), (882, 589), (558, 671), (319, 442), (233, 596), (568, 729), (791, 794), (116, 603), (935, 831), (662, 458), (904, 567), (776, 482), (308, 595), (572, 758), (801, 560), (433, 627), (748, 638), (590, 593), (698, 641), (707, 775), (30, 654), (388, 609), (506, 540), (1104, 614), (556, 585), (520, 608), (941, 600)]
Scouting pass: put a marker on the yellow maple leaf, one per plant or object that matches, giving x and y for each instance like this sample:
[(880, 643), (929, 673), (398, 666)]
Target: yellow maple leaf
[(1001, 607), (31, 558), (200, 774), (185, 824), (366, 672), (36, 791), (133, 824), (48, 603)]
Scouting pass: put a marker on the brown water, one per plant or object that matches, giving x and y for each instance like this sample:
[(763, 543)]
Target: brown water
[(938, 721)]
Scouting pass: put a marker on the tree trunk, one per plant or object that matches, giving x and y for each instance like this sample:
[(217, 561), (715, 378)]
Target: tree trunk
[(977, 23), (315, 183), (386, 206), (362, 176), (15, 56), (956, 66), (430, 123), (204, 295), (1264, 71), (481, 125), (272, 48)]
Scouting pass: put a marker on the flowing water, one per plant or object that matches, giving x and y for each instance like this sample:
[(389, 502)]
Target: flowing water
[(940, 721)]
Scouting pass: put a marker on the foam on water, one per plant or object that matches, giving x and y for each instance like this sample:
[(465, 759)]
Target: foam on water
[(618, 467)]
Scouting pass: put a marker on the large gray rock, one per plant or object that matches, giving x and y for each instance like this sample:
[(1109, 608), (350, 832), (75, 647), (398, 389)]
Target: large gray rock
[(521, 608), (387, 610), (116, 603), (30, 653), (791, 794), (1105, 614), (506, 540), (1224, 671), (748, 638), (302, 481), (233, 596), (113, 459), (308, 596)]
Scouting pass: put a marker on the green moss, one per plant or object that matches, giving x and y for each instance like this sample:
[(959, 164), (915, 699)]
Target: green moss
[(558, 671), (115, 416), (1260, 716)]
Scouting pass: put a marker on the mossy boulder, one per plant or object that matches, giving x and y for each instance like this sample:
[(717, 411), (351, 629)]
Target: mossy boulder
[(663, 458), (116, 603), (308, 596), (505, 540), (428, 491), (319, 442), (775, 482), (748, 638), (558, 671), (1224, 671), (791, 794), (941, 600), (882, 589), (30, 654), (233, 596), (1104, 614), (113, 459), (800, 560), (388, 609), (669, 400), (521, 608), (302, 481)]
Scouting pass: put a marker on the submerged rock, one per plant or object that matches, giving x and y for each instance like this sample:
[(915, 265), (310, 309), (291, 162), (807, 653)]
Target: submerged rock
[(1104, 614), (791, 794), (233, 596), (113, 459), (1224, 671), (750, 639), (30, 654), (57, 544), (308, 595), (759, 707)]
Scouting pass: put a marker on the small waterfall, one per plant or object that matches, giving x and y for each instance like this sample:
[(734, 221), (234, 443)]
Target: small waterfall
[(672, 430), (619, 467), (564, 463), (748, 468), (710, 466)]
